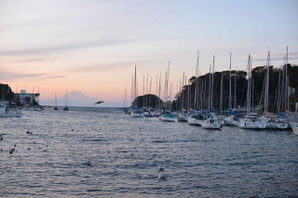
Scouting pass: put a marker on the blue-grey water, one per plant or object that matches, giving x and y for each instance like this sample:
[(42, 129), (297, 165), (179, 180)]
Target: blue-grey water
[(101, 152)]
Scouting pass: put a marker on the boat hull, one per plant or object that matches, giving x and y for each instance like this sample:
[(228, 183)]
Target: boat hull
[(211, 124), (244, 124), (167, 119), (194, 122)]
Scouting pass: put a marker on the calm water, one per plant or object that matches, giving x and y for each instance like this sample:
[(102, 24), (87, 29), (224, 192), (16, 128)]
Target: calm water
[(102, 152)]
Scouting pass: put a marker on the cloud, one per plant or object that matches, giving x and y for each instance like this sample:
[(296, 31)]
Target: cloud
[(277, 56), (57, 76), (100, 67), (29, 60), (65, 47), (6, 75)]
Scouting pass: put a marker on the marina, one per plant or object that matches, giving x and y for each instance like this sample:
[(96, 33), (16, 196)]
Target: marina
[(140, 98)]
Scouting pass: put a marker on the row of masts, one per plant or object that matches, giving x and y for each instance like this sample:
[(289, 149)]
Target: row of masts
[(203, 99)]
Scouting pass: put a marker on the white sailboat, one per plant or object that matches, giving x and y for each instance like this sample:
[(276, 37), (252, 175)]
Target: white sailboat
[(66, 107), (211, 123), (231, 120), (135, 112), (168, 117), (250, 122), (5, 111), (196, 119), (182, 117), (271, 123), (56, 107)]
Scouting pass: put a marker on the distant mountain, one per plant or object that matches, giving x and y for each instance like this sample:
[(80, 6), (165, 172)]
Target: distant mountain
[(74, 98)]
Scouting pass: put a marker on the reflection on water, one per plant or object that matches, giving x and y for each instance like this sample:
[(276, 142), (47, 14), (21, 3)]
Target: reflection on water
[(99, 151)]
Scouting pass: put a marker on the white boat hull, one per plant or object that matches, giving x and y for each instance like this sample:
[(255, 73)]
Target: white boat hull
[(211, 124), (167, 119), (248, 124), (195, 122), (277, 125), (295, 130), (182, 118), (294, 126), (8, 115), (136, 115), (230, 121)]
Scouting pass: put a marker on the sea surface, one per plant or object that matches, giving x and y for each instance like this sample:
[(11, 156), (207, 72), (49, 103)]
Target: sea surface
[(100, 152)]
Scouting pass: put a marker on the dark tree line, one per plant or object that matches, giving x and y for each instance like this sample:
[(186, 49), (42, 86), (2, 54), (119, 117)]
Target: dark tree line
[(188, 98)]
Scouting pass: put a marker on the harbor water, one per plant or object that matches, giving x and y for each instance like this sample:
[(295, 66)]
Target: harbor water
[(102, 152)]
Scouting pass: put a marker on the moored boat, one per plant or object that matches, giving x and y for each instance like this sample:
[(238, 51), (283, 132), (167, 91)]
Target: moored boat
[(196, 119), (211, 123), (168, 117), (251, 123), (231, 120), (137, 113), (6, 111)]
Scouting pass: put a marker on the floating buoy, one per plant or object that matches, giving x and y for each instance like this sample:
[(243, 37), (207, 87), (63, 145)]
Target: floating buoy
[(160, 169), (161, 177)]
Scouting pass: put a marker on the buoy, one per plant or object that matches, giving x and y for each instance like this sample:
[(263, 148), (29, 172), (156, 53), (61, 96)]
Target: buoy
[(88, 163), (160, 169), (161, 177)]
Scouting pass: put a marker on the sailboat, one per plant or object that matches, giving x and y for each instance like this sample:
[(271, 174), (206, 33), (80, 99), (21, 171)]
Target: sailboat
[(168, 117), (231, 120), (271, 122), (250, 121), (196, 119), (55, 108), (6, 111), (212, 122), (135, 112), (66, 107)]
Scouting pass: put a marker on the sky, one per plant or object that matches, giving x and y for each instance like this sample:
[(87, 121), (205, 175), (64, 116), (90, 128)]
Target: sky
[(92, 46)]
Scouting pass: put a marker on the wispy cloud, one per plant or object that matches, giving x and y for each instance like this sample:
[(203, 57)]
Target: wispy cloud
[(7, 75), (10, 75), (56, 76), (100, 67), (275, 56), (65, 47), (29, 60)]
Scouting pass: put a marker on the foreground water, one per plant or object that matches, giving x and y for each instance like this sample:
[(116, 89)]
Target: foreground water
[(101, 152)]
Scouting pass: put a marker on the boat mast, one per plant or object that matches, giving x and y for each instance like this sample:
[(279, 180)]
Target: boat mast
[(230, 84), (55, 99), (287, 83), (235, 88), (66, 98), (248, 98), (212, 83), (221, 92), (124, 102), (266, 98), (135, 84), (209, 88), (146, 99), (196, 94), (182, 100), (159, 90)]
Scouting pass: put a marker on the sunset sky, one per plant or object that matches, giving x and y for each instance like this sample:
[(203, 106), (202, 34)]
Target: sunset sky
[(92, 46)]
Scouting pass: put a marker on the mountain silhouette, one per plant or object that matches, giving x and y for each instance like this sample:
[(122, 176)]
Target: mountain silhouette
[(74, 98)]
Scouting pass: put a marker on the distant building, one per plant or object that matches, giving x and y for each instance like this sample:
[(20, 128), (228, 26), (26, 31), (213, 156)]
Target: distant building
[(26, 99)]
